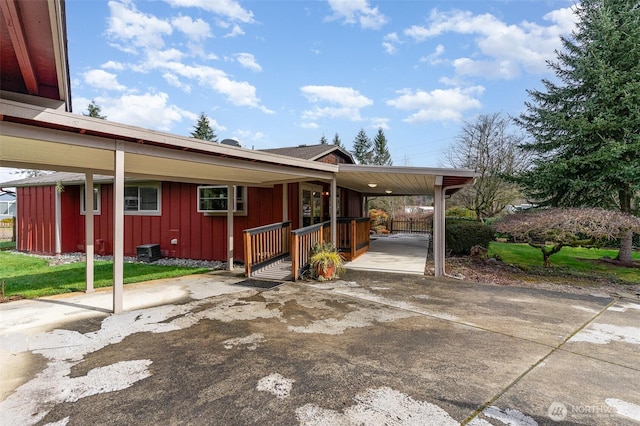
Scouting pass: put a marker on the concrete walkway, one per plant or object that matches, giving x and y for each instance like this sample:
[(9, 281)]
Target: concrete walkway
[(371, 349), (391, 253)]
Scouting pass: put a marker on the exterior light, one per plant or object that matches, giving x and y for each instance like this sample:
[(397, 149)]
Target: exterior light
[(388, 191), (372, 185)]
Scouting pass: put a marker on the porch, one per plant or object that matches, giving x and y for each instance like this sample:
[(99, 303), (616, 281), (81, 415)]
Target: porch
[(276, 252)]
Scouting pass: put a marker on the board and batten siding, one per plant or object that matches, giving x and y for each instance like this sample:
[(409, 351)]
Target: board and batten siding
[(198, 236)]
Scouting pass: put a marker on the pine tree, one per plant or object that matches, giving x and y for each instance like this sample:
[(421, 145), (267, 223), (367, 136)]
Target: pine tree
[(323, 140), (381, 155), (585, 129), (337, 141), (94, 111), (203, 130), (362, 148)]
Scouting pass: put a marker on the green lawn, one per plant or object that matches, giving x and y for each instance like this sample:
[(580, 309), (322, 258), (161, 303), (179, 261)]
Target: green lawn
[(31, 277), (7, 245), (572, 260)]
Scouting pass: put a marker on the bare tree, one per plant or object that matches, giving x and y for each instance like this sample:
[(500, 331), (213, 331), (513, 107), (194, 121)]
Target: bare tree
[(490, 148), (553, 228)]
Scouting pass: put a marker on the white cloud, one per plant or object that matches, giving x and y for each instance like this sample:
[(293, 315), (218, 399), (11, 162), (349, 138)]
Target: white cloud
[(504, 50), (379, 122), (357, 11), (235, 31), (389, 42), (238, 93), (434, 58), (197, 30), (131, 29), (437, 105), (229, 9), (113, 65), (150, 110), (346, 101), (102, 79), (248, 61), (174, 81)]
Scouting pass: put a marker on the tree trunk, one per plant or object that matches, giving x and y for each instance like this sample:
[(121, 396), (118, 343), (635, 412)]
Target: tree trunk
[(626, 247)]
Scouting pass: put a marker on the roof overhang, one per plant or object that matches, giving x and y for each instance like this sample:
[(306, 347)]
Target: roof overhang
[(34, 137), (33, 50), (392, 180)]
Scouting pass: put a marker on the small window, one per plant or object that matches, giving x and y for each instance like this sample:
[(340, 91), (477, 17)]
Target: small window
[(142, 199), (214, 199), (8, 208), (96, 200)]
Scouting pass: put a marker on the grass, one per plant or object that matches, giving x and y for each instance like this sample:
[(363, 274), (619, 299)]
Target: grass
[(30, 277), (569, 260), (7, 245)]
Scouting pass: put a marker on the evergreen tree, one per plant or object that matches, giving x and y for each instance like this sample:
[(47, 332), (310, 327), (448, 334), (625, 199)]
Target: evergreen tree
[(585, 129), (337, 141), (203, 130), (323, 140), (94, 111), (362, 148), (381, 155)]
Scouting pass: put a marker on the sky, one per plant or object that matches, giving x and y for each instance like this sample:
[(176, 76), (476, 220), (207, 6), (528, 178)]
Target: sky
[(273, 73)]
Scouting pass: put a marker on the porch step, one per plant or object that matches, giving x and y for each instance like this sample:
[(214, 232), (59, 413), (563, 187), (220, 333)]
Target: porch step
[(279, 271)]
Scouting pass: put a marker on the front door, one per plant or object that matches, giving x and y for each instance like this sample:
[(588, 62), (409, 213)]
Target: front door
[(311, 210)]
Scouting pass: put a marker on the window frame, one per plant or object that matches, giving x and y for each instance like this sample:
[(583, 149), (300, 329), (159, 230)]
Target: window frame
[(242, 200), (157, 186), (11, 204), (96, 199)]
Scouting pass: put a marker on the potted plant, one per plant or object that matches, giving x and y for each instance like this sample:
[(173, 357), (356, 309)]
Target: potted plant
[(326, 261)]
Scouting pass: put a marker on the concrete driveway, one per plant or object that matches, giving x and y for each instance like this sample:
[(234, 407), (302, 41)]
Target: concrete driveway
[(373, 348)]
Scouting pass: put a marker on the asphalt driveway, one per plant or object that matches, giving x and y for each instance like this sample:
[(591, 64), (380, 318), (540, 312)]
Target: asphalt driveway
[(373, 348)]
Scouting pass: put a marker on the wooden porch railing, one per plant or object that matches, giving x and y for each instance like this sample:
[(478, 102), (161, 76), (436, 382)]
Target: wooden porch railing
[(265, 245), (268, 244), (353, 236), (302, 240)]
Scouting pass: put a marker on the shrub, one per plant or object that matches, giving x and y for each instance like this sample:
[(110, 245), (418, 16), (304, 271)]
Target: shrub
[(461, 235), (461, 212)]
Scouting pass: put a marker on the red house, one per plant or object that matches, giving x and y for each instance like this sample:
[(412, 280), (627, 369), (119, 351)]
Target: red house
[(193, 198), (187, 220)]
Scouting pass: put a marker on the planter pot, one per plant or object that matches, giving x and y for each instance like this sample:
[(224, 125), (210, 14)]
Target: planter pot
[(327, 273)]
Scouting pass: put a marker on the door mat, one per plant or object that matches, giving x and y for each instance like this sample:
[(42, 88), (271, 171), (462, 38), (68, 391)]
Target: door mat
[(259, 283)]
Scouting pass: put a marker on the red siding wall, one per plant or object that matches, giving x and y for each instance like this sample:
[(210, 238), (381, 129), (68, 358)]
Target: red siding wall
[(36, 219), (198, 236)]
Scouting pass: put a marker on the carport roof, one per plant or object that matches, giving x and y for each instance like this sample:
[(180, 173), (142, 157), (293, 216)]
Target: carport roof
[(40, 138), (393, 180)]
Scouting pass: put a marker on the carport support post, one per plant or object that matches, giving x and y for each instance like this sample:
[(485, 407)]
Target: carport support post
[(285, 202), (231, 203), (88, 230), (58, 220), (334, 212), (118, 228), (438, 228)]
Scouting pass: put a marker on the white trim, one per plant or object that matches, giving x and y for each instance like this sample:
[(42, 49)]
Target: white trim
[(97, 197), (156, 212), (236, 199)]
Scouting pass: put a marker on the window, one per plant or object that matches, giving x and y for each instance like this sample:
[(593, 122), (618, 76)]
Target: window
[(212, 199), (96, 200), (8, 208), (142, 199)]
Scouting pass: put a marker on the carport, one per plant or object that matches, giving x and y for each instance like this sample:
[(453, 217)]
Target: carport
[(37, 131)]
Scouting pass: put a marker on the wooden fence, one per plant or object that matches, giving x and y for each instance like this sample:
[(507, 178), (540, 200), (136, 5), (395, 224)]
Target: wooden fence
[(8, 231), (410, 226)]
